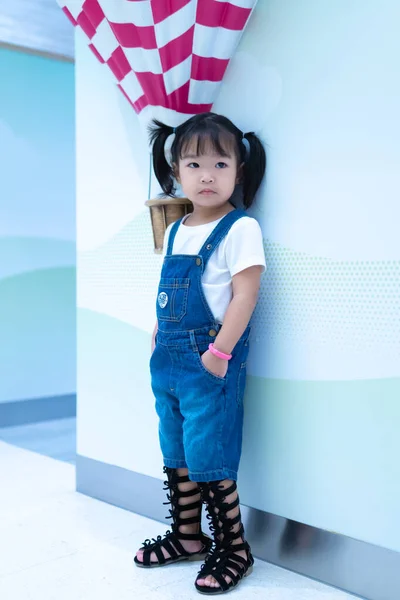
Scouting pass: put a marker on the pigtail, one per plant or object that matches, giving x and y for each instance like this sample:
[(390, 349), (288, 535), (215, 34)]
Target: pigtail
[(254, 168), (159, 133)]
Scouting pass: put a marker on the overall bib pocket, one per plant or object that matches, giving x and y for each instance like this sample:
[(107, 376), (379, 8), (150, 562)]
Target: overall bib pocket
[(172, 299)]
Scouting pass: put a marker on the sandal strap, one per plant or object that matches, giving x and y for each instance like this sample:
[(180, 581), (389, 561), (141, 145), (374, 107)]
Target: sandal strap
[(172, 474), (187, 536), (188, 493), (170, 548), (219, 491), (227, 506), (236, 547), (180, 549), (170, 543), (186, 507), (227, 564), (159, 553), (177, 512), (234, 560), (190, 521), (221, 580), (181, 478), (147, 554)]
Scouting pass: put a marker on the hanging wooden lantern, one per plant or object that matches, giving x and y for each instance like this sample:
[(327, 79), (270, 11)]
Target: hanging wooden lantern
[(163, 212)]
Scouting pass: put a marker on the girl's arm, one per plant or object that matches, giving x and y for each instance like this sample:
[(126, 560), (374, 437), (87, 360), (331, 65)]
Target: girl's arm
[(153, 337), (245, 287)]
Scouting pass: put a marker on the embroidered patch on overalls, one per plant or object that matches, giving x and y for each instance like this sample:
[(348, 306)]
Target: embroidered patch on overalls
[(163, 299)]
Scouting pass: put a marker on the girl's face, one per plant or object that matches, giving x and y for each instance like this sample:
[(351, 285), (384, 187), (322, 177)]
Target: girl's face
[(208, 179)]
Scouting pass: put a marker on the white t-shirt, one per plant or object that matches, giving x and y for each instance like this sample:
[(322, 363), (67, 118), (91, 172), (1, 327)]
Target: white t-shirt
[(241, 248)]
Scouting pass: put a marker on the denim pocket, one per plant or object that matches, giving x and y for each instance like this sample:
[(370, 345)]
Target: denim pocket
[(206, 371), (172, 299)]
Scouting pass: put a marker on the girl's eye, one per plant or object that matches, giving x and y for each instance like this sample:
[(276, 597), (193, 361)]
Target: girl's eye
[(221, 165), (193, 165)]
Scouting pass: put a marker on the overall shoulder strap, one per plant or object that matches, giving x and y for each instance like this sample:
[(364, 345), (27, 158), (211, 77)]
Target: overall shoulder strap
[(172, 235), (219, 233)]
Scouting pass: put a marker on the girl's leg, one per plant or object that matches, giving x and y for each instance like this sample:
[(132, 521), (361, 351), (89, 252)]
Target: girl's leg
[(186, 536), (232, 550)]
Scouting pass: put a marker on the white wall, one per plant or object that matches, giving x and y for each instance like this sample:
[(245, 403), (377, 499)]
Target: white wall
[(322, 412)]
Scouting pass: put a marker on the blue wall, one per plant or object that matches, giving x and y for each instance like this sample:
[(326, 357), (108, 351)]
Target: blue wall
[(37, 227)]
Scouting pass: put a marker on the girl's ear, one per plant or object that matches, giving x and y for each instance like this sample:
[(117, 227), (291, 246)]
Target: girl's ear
[(175, 172), (239, 175)]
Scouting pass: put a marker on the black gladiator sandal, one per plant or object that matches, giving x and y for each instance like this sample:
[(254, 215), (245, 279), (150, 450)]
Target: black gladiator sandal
[(223, 561), (171, 539)]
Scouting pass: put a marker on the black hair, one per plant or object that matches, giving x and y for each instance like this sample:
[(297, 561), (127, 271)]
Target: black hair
[(221, 133)]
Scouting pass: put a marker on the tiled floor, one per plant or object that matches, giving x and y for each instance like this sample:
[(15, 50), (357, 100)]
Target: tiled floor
[(56, 544)]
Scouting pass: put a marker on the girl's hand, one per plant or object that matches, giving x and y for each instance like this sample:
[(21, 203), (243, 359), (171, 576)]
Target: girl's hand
[(217, 366), (153, 337)]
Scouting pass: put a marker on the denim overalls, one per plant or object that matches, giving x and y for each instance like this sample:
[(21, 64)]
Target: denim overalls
[(201, 414)]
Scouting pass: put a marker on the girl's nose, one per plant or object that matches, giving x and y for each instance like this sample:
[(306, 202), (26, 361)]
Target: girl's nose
[(207, 178)]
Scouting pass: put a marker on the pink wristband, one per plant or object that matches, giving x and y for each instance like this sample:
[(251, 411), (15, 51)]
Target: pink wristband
[(218, 353)]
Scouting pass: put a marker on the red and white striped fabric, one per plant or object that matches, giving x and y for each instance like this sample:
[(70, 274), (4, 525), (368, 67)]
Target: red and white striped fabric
[(163, 53)]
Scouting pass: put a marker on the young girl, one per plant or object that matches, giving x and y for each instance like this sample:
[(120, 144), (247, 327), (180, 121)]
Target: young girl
[(208, 290)]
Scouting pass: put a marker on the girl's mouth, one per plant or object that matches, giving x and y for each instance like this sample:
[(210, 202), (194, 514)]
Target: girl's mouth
[(207, 192)]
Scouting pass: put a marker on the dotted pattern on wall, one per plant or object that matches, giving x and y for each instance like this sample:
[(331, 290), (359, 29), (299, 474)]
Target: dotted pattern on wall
[(120, 277), (318, 298), (304, 298)]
